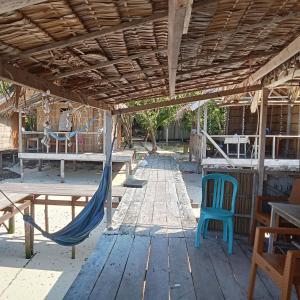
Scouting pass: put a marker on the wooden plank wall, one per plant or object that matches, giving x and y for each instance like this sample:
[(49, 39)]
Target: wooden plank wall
[(276, 124), (9, 132), (86, 114), (243, 201), (273, 121)]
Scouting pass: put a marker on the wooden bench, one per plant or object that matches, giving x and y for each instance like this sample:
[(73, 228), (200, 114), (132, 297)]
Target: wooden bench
[(40, 194), (9, 211)]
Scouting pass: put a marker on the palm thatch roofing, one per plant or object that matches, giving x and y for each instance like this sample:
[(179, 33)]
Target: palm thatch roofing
[(108, 52)]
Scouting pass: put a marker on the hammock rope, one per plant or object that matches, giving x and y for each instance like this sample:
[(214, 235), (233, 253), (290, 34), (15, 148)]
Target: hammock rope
[(88, 219)]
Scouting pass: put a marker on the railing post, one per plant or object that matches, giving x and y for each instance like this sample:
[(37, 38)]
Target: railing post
[(273, 147), (66, 145), (76, 141), (56, 146)]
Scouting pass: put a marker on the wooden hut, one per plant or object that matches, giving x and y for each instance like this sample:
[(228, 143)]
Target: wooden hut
[(102, 53)]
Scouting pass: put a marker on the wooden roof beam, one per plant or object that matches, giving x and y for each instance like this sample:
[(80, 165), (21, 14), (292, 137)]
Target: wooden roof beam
[(207, 96), (285, 54), (178, 20), (11, 5), (24, 78)]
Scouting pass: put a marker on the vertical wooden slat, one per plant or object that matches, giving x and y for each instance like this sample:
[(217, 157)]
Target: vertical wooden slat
[(262, 139)]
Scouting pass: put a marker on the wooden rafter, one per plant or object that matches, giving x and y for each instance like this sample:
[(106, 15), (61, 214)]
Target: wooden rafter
[(289, 51), (151, 81), (10, 5), (179, 11), (213, 95), (288, 75), (24, 78), (108, 63)]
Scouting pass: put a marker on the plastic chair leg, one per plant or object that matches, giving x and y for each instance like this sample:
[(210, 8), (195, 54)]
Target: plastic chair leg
[(199, 231), (225, 231), (205, 228), (230, 235)]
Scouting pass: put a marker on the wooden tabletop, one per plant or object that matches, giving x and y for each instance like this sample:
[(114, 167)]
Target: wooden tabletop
[(290, 212), (59, 189)]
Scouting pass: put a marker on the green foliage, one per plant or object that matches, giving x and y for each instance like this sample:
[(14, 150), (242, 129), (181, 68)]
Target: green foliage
[(4, 87), (216, 118), (30, 122)]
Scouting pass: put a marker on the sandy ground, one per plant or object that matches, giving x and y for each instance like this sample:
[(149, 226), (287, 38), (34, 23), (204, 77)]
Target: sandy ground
[(50, 272)]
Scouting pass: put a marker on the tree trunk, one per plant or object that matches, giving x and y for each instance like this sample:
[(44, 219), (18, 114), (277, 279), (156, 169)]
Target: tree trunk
[(153, 139)]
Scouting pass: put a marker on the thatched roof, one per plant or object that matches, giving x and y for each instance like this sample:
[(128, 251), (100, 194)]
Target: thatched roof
[(116, 51)]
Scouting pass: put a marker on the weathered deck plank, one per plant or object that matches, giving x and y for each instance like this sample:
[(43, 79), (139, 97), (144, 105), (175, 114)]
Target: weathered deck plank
[(203, 273), (132, 283), (150, 252), (107, 285), (91, 270), (181, 283), (157, 279)]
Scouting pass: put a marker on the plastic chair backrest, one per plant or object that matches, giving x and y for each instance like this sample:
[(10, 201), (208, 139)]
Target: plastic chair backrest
[(219, 187)]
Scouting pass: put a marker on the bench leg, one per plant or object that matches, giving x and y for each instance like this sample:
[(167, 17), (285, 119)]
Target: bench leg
[(40, 165), (28, 247), (11, 225)]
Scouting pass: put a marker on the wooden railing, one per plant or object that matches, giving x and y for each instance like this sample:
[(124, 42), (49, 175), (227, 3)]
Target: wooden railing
[(241, 142), (82, 142)]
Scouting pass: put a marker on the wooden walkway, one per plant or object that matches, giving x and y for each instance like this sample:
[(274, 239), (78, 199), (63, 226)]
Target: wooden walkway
[(150, 252)]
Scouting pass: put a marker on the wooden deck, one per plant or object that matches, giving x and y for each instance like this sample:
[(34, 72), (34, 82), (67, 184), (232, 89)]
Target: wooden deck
[(150, 252)]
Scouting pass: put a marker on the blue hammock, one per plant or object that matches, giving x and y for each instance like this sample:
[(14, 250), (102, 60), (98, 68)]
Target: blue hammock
[(87, 220), (71, 133)]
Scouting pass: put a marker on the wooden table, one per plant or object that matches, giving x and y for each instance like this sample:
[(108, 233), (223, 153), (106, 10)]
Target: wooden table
[(290, 212), (72, 196)]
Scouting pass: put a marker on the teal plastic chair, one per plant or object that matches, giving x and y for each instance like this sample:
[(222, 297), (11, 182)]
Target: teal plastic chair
[(216, 211)]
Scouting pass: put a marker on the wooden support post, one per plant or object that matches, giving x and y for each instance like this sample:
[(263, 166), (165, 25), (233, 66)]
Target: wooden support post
[(21, 145), (46, 214), (204, 140), (198, 118), (73, 216), (11, 222), (108, 140), (262, 140), (1, 161), (62, 171)]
